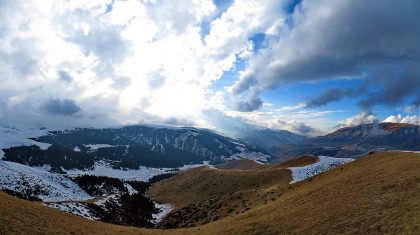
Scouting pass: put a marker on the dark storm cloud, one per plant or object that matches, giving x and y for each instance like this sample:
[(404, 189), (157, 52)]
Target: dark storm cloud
[(248, 106), (332, 94), (64, 76), (416, 103), (65, 107), (395, 84), (329, 40)]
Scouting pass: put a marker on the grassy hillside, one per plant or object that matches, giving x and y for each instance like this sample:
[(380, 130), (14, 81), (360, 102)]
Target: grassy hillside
[(203, 195), (203, 183), (376, 194)]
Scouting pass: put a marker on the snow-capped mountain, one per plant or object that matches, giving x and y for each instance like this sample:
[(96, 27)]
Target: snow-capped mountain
[(206, 144), (356, 141), (129, 147), (394, 134)]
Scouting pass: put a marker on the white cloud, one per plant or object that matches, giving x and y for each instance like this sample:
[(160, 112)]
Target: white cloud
[(297, 127), (399, 119), (363, 117)]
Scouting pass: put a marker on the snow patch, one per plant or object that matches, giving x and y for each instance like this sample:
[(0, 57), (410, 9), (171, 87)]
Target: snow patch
[(103, 168), (76, 149), (109, 198), (256, 156), (12, 138), (324, 163), (164, 210), (130, 189), (97, 146), (410, 151), (45, 168)]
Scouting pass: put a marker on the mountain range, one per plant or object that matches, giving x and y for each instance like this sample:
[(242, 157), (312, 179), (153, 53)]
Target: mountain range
[(354, 141), (135, 146)]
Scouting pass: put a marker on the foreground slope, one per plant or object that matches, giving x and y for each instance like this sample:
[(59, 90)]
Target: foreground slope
[(376, 194), (203, 183)]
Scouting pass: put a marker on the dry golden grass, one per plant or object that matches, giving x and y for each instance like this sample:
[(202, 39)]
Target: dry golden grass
[(203, 183), (203, 195), (376, 194)]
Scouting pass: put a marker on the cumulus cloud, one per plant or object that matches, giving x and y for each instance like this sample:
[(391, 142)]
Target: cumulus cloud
[(399, 119), (65, 107), (244, 126), (363, 117), (332, 94), (297, 127), (328, 40)]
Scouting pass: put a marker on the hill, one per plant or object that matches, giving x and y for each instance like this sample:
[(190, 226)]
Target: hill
[(372, 195)]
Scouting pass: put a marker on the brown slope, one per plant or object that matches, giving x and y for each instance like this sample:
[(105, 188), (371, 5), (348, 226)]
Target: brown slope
[(377, 194), (204, 194), (203, 183), (23, 217)]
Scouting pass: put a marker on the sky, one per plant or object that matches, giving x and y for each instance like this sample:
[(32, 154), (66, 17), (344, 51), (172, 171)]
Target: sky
[(307, 66)]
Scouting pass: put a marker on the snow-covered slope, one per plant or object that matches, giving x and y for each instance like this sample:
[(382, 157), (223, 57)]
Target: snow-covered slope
[(244, 153), (12, 138), (47, 186), (323, 164), (103, 168)]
